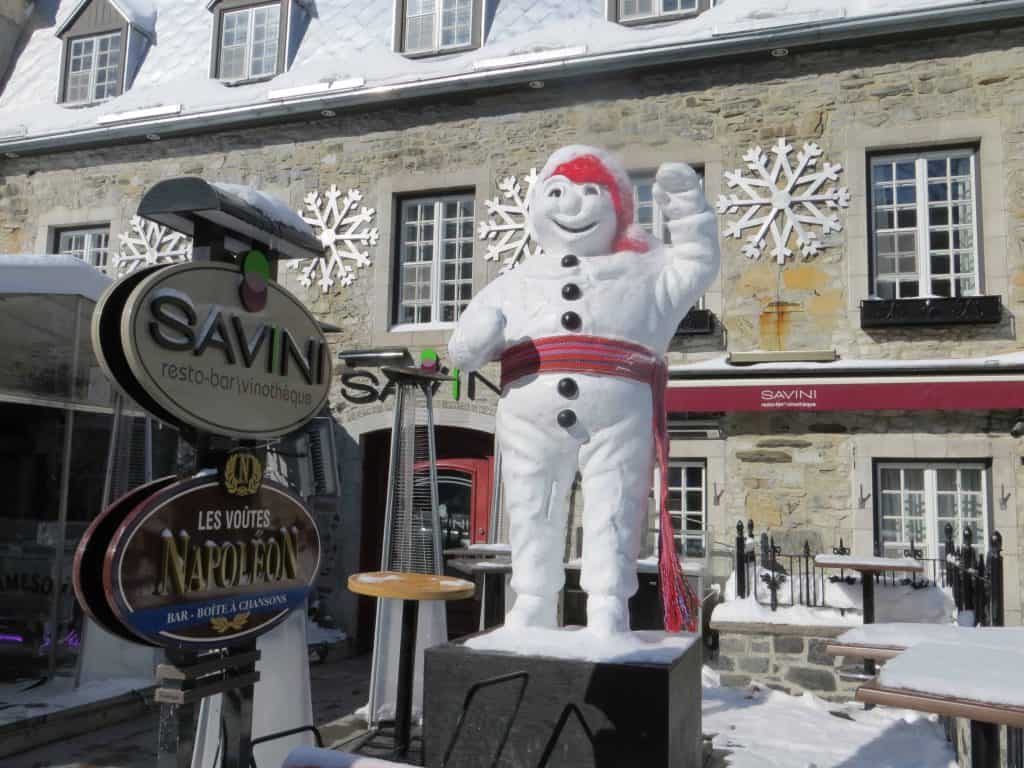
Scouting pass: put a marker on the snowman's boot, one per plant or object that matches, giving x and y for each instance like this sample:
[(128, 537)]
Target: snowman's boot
[(607, 614), (534, 611)]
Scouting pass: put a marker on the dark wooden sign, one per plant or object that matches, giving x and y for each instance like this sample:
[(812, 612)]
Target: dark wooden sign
[(87, 573), (193, 566)]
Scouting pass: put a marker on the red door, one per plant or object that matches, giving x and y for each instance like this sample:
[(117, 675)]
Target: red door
[(464, 497)]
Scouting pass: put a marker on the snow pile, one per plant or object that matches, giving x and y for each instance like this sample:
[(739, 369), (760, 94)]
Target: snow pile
[(959, 671), (769, 729), (320, 635), (853, 562), (269, 206), (20, 700), (580, 644), (58, 274), (907, 635), (893, 603)]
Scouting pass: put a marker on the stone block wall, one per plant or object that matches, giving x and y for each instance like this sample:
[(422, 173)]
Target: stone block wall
[(784, 658)]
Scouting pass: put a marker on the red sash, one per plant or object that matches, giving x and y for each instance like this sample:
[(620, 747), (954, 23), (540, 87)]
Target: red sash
[(609, 357)]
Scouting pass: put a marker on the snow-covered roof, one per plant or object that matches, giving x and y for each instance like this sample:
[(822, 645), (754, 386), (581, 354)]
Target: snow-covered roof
[(141, 14), (345, 57), (54, 274)]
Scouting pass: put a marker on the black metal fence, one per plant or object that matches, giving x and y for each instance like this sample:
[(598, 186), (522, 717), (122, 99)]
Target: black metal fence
[(775, 578), (976, 580)]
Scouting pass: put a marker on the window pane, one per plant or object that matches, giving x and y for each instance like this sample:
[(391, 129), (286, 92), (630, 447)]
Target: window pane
[(265, 40), (945, 198), (456, 19), (913, 479), (970, 479), (94, 66), (419, 25), (234, 45)]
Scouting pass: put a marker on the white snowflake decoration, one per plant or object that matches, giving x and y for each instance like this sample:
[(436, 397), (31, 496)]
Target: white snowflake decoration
[(147, 243), (793, 197), (505, 227), (344, 231)]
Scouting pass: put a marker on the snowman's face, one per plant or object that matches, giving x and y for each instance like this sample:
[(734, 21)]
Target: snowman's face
[(573, 218)]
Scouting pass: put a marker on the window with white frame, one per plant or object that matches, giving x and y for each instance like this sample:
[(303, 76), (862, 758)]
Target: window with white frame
[(653, 10), (647, 214), (925, 224), (249, 40), (437, 25), (917, 500), (435, 259), (687, 506), (93, 68), (90, 244)]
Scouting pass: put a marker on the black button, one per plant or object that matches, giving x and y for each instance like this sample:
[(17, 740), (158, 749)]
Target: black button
[(571, 292), (570, 261), (571, 321), (567, 388), (566, 418)]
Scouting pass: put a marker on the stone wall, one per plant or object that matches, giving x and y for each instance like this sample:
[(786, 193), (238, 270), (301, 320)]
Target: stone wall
[(790, 659), (710, 115)]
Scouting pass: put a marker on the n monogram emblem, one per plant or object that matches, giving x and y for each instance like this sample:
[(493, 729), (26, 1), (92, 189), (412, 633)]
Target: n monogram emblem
[(242, 474)]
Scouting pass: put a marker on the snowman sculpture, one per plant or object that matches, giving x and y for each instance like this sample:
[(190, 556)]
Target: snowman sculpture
[(581, 330)]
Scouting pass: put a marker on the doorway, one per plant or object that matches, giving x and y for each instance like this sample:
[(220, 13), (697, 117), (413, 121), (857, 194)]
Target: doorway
[(465, 465)]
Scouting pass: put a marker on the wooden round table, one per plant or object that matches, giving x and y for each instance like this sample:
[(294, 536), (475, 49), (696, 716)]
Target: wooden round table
[(410, 588)]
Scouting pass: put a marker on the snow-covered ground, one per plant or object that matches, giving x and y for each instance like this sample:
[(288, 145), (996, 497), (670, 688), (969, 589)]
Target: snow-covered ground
[(899, 602), (770, 729), (20, 699)]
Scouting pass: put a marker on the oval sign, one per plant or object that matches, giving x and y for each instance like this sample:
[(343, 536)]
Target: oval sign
[(195, 567), (233, 354), (87, 572)]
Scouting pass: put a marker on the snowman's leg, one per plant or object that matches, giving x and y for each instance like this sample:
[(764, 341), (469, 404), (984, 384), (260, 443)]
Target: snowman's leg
[(538, 467), (617, 466)]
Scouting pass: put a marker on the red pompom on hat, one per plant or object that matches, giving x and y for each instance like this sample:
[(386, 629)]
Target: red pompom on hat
[(581, 165)]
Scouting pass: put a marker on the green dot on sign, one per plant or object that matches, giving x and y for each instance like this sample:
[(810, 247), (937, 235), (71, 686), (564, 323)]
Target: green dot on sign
[(256, 261)]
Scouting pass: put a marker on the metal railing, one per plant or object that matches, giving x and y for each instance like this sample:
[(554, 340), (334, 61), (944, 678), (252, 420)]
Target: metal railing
[(976, 579), (775, 578)]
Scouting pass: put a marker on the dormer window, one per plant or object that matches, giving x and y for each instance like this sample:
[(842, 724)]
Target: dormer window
[(248, 44), (94, 68), (645, 11), (437, 26), (105, 43)]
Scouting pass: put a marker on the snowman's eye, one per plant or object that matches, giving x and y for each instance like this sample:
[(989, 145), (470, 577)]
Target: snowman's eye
[(556, 192), (591, 189)]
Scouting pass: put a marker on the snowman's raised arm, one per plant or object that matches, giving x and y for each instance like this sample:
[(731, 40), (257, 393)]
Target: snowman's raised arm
[(479, 336), (692, 259)]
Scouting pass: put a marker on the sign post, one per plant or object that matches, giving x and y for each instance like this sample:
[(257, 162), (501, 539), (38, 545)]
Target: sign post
[(203, 565)]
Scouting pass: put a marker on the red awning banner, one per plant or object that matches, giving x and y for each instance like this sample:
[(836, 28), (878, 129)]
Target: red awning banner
[(847, 393)]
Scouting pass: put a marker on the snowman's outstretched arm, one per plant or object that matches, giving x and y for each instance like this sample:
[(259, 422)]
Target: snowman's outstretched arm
[(479, 336), (692, 259)]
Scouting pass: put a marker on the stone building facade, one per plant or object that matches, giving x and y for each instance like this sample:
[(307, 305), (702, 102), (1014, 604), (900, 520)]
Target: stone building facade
[(809, 475)]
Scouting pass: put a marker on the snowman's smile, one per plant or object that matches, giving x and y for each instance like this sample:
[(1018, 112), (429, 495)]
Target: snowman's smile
[(575, 230)]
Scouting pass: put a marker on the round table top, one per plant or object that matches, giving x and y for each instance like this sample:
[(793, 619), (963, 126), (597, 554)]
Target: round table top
[(410, 586)]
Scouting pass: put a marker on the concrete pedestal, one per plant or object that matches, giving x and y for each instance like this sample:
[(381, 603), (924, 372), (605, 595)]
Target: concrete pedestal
[(538, 711)]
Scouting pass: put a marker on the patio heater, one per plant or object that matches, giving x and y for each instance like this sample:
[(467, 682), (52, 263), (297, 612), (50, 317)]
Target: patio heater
[(412, 531)]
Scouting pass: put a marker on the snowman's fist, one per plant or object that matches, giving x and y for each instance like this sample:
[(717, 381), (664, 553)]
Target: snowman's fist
[(677, 191)]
